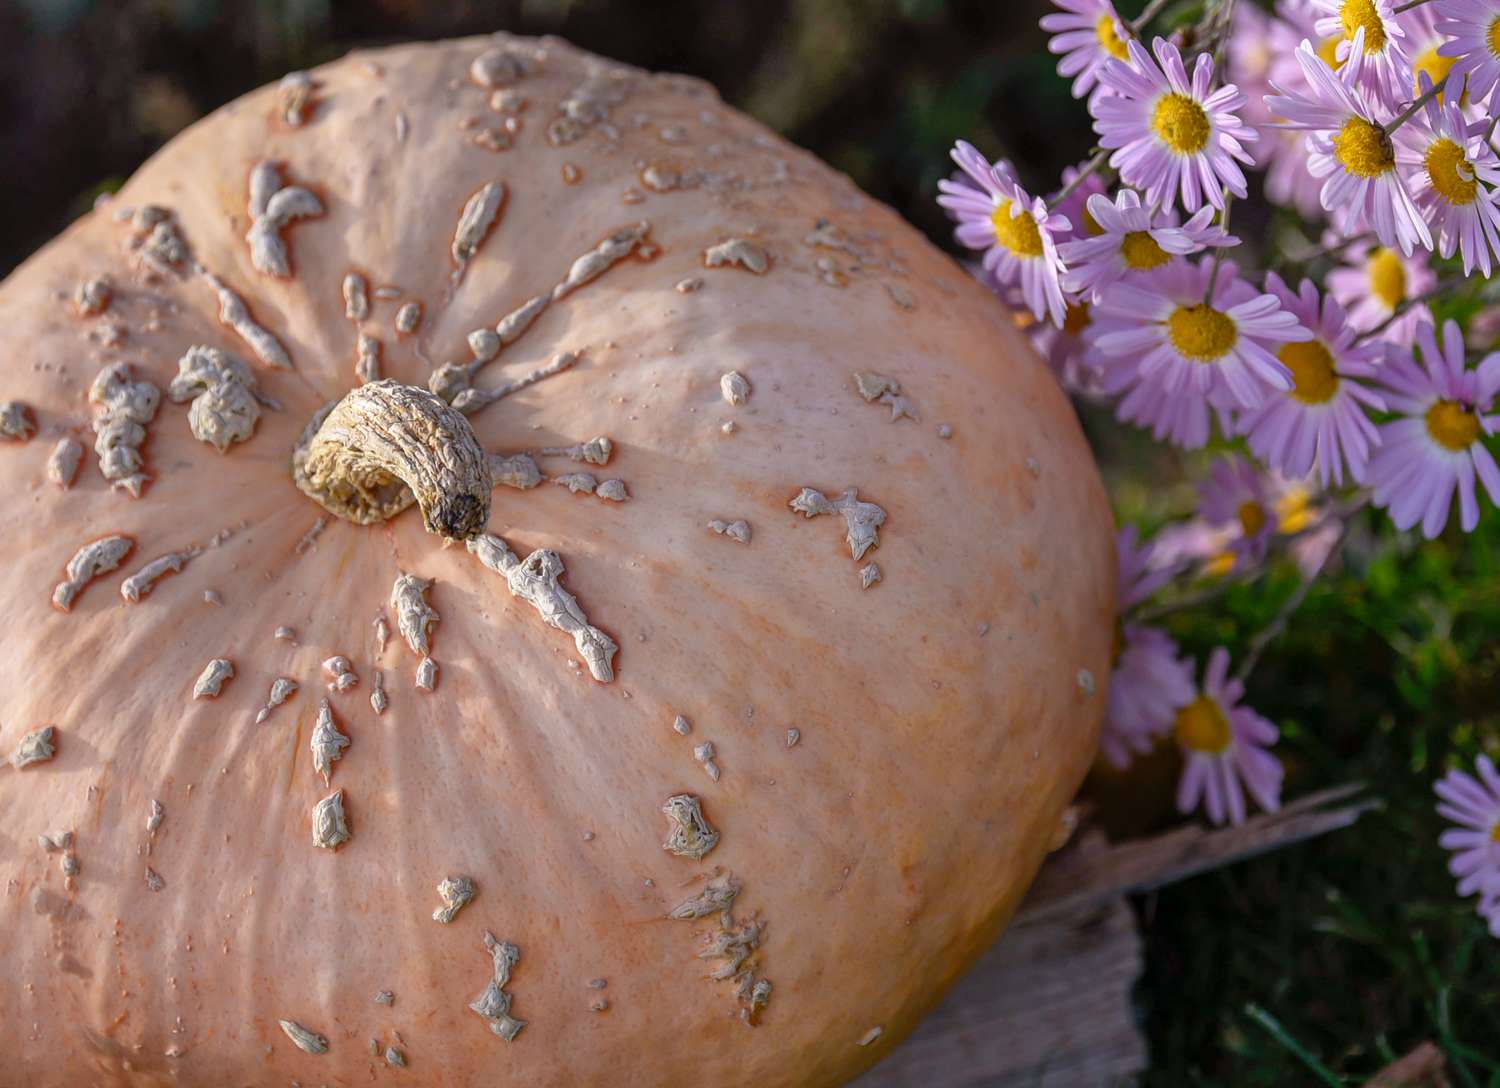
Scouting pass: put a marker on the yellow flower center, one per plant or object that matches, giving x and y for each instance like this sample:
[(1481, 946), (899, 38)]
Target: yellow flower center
[(1495, 37), (1495, 831), (1017, 233), (1090, 224), (1141, 251), (1252, 517), (1202, 726), (1201, 333), (1181, 124), (1109, 38), (1357, 14), (1452, 425), (1077, 319), (1451, 174), (1328, 50), (1364, 149), (1434, 64), (1387, 277), (1294, 510), (1313, 378)]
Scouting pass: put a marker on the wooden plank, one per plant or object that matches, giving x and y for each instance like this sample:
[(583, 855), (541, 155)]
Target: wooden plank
[(1091, 871), (1049, 1006)]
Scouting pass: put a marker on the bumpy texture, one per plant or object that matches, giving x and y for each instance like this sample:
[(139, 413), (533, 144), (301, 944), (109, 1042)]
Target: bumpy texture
[(887, 763)]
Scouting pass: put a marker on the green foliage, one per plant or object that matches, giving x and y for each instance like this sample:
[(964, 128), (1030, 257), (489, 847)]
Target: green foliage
[(1328, 958)]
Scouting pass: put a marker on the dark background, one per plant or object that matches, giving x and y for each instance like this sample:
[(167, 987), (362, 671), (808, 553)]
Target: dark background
[(1355, 945), (89, 88)]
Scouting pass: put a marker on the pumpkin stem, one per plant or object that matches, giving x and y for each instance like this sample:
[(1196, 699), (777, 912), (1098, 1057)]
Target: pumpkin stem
[(386, 445)]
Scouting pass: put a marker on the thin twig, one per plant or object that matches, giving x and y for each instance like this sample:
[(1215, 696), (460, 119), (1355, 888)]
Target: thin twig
[(1411, 111), (1408, 6), (1407, 303), (1139, 23), (1330, 250), (1089, 168), (1273, 630)]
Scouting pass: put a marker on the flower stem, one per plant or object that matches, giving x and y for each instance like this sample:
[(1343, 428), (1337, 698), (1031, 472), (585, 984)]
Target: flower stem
[(1408, 6), (1271, 631), (1411, 111), (1213, 276), (1091, 167), (1330, 250), (1136, 25), (1407, 303)]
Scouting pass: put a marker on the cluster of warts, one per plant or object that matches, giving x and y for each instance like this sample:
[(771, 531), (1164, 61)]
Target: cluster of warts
[(878, 389), (124, 406), (495, 1001), (690, 834), (38, 746), (537, 581), (273, 206), (93, 559), (861, 519), (223, 393), (731, 942), (16, 424), (455, 892)]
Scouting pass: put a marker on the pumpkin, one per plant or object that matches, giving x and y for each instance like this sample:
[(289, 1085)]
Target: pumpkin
[(514, 571)]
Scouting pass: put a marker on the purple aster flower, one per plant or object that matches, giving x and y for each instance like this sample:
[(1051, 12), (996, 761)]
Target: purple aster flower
[(1423, 44), (1386, 71), (1172, 137), (1238, 494), (1454, 174), (1132, 238), (1174, 355), (1226, 749), (1150, 681), (1436, 448), (1281, 152), (1349, 149), (1016, 233), (1321, 420), (1474, 26), (1474, 805), (1375, 282), (1086, 33), (1066, 351)]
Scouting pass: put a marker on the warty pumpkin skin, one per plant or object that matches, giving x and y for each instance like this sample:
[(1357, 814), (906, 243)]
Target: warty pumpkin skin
[(888, 762)]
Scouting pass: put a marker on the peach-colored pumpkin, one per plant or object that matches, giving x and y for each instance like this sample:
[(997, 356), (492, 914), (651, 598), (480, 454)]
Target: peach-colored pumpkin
[(889, 762)]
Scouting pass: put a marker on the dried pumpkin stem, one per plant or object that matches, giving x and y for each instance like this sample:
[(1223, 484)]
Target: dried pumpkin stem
[(387, 445)]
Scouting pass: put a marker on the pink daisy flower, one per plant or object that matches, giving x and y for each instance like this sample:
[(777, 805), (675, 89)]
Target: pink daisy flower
[(1386, 68), (1174, 355), (1172, 137), (1281, 152), (1087, 34), (1474, 26), (1375, 282), (1437, 448), (1349, 149), (1016, 233), (1226, 749), (1474, 805), (1150, 682), (1423, 44), (1065, 349), (1238, 494), (1321, 420), (1454, 172), (1131, 238)]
